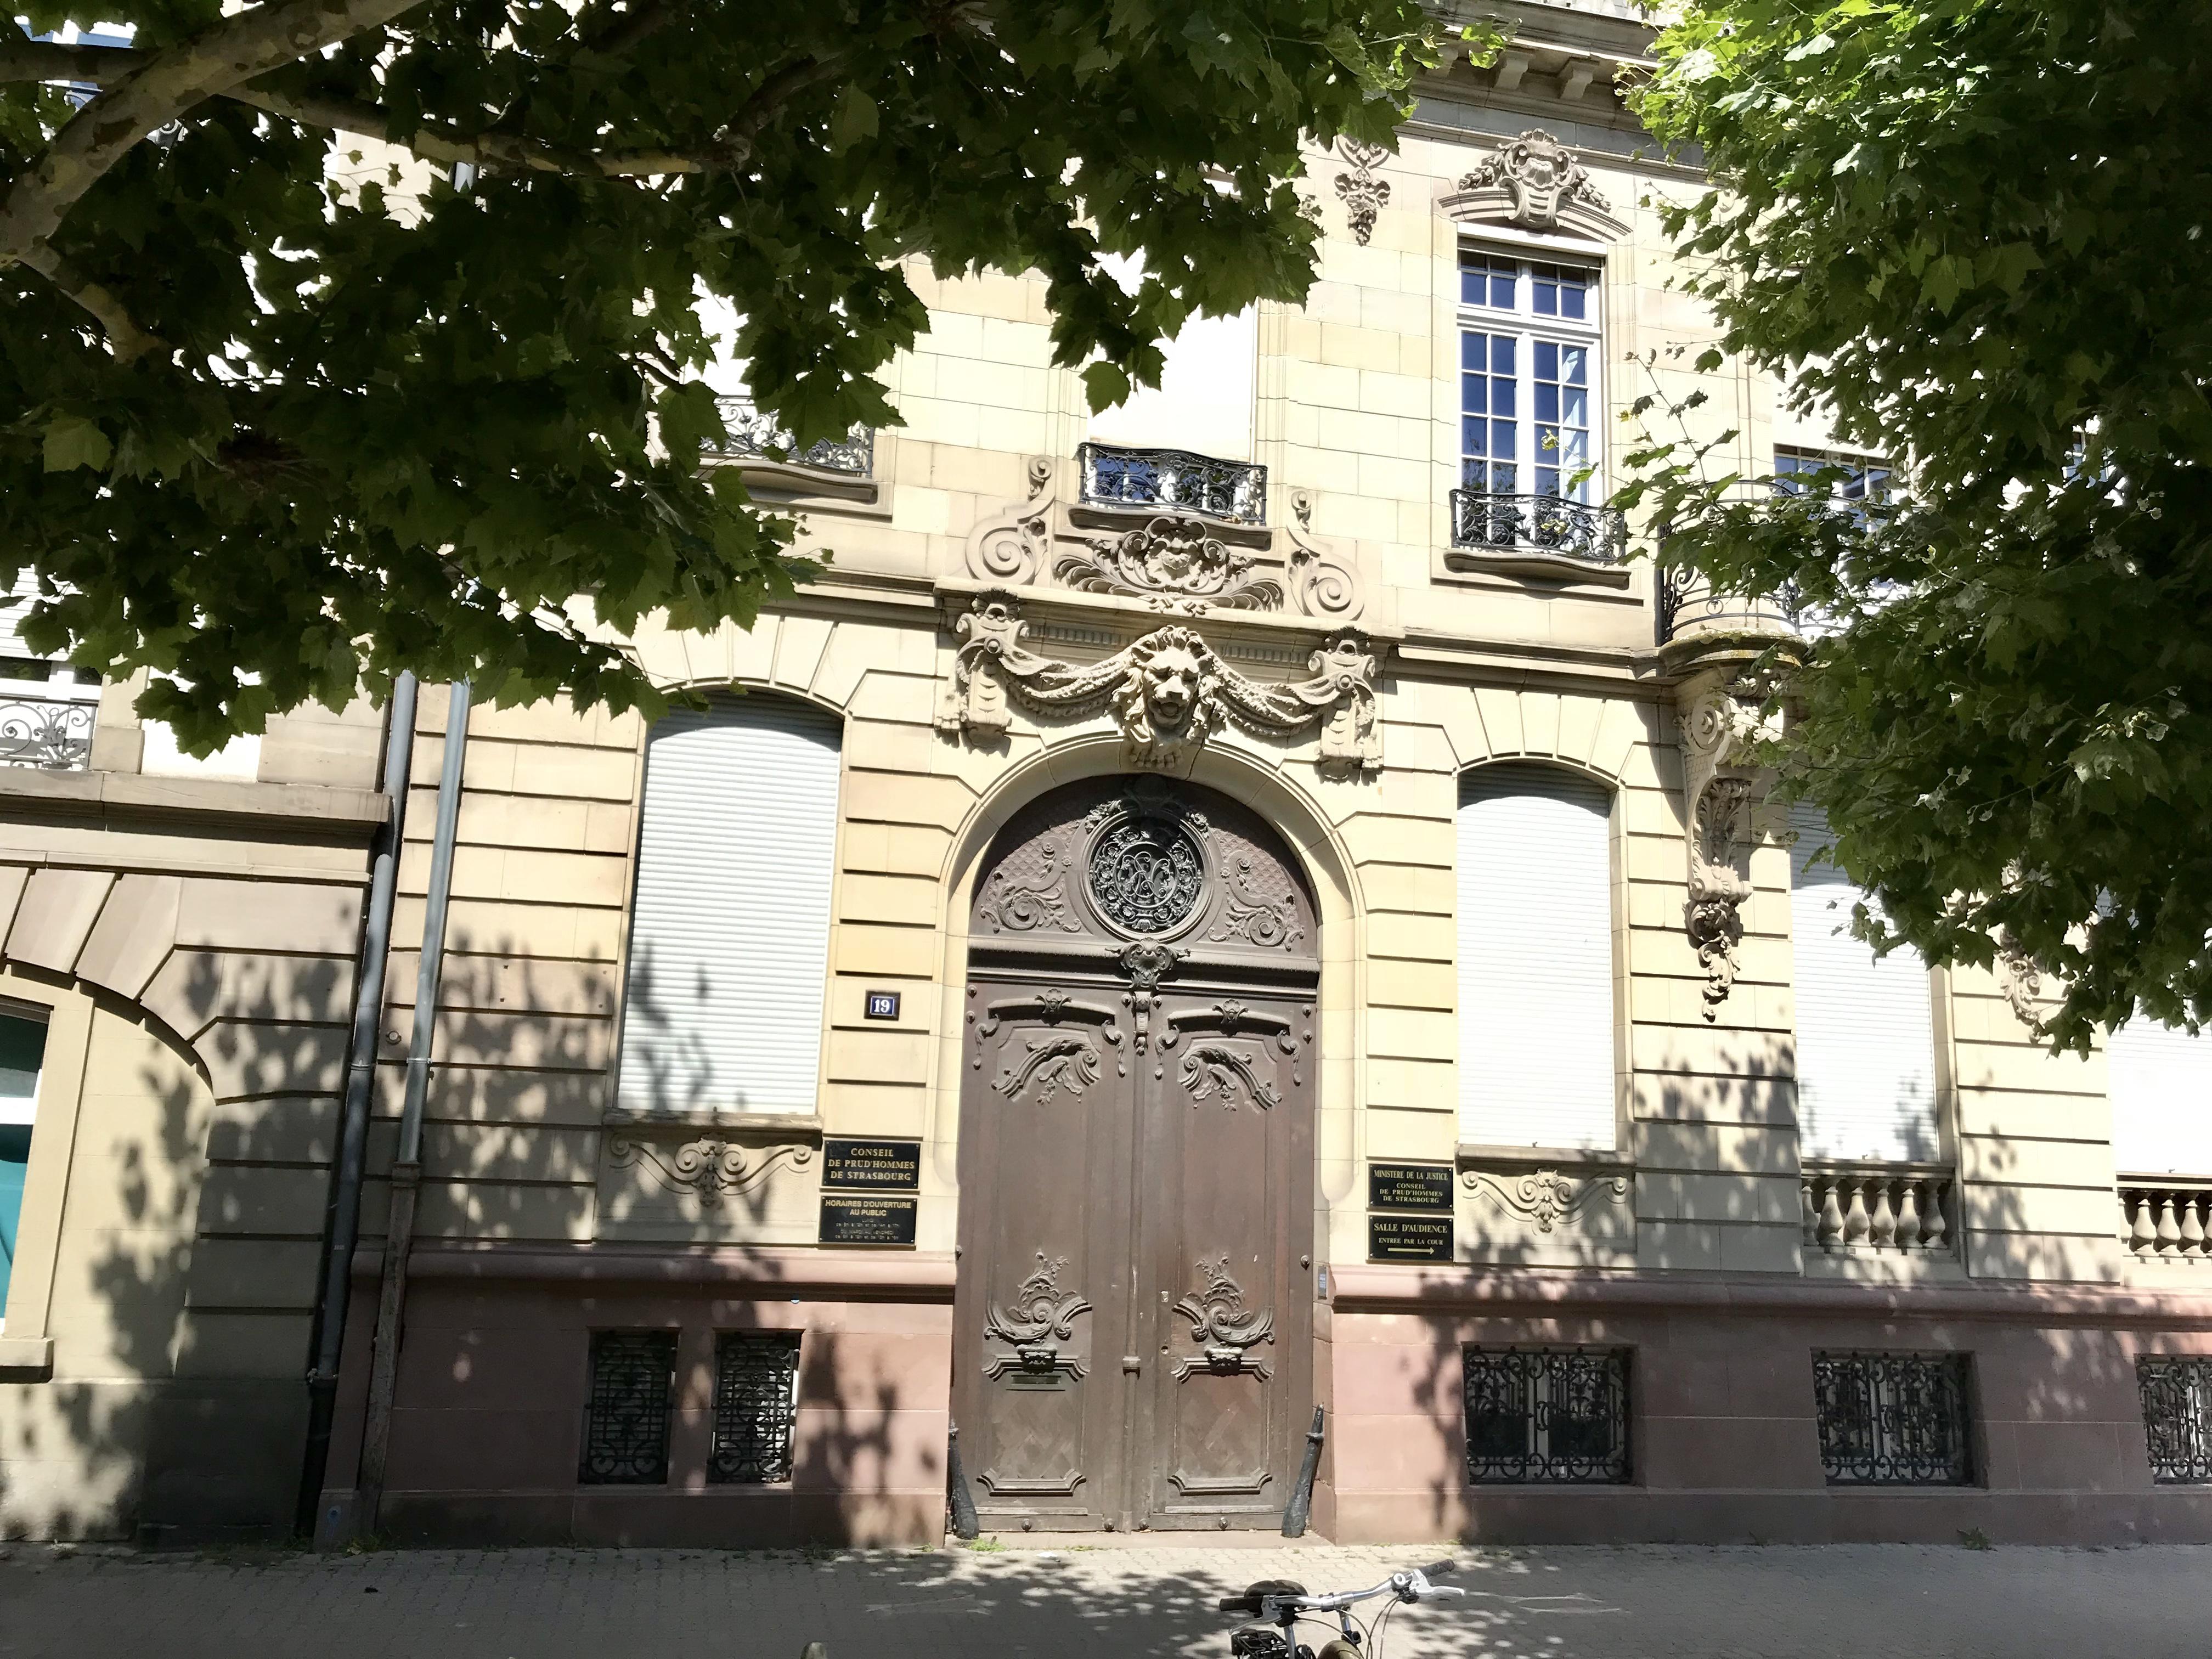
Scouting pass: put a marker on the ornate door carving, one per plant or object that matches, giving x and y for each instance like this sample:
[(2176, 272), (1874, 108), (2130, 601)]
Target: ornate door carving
[(1133, 1315)]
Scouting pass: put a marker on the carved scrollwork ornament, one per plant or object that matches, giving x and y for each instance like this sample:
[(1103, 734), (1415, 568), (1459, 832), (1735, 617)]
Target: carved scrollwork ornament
[(1173, 565), (1042, 1313), (1011, 546), (1320, 586), (1540, 182), (1220, 1322), (2021, 982), (1545, 1196), (1168, 691), (708, 1167)]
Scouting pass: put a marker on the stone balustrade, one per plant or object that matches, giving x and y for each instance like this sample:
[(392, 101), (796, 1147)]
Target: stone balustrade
[(1904, 1209), (2166, 1219)]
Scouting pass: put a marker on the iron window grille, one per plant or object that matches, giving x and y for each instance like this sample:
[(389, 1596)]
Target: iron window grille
[(626, 1417), (2177, 1409), (1547, 1415), (1114, 476), (1894, 1419), (756, 1407)]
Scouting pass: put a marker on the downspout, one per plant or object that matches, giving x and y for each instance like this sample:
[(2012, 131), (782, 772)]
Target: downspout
[(407, 1159), (342, 1230)]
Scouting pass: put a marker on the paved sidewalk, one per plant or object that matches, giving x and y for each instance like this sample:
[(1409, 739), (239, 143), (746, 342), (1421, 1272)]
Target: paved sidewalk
[(1640, 1602)]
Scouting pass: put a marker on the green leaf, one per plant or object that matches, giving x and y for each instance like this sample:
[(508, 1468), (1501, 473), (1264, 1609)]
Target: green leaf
[(72, 442), (854, 119)]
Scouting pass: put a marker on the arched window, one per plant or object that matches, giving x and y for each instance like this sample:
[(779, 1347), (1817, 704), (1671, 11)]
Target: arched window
[(22, 1055), (729, 931), (1866, 1030), (1535, 959), (2161, 1089)]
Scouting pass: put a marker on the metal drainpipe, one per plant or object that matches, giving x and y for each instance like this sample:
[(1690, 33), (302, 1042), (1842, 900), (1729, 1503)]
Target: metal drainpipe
[(407, 1159), (342, 1230)]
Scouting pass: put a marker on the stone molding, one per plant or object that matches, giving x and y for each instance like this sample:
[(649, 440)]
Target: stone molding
[(1483, 1290), (764, 1272), (1168, 691), (1535, 183), (127, 797), (1545, 1197)]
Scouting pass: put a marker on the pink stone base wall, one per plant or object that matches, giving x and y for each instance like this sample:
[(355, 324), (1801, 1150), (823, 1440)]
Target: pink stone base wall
[(488, 1417), (1723, 1444)]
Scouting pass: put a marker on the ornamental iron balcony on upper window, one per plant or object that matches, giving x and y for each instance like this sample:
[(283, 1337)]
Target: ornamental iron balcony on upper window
[(755, 434), (1488, 522), (1114, 476)]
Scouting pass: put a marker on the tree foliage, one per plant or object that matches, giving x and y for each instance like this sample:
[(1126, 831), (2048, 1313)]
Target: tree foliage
[(277, 431), (1975, 233)]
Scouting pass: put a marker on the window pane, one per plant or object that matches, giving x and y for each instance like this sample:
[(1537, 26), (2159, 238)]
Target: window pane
[(1473, 434), (1547, 402), (1473, 394), (1547, 360), (1501, 353), (1575, 365)]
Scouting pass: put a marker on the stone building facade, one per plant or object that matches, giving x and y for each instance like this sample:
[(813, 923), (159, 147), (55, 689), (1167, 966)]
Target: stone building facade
[(1252, 901)]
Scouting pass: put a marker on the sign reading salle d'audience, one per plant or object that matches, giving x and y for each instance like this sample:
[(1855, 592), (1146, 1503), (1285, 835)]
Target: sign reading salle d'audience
[(866, 1185), (1409, 1213)]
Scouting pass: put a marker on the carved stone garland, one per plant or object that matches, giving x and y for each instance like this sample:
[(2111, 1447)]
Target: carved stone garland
[(706, 1167), (1219, 1321), (1168, 692), (1042, 1312), (1718, 730), (1539, 178), (1365, 195)]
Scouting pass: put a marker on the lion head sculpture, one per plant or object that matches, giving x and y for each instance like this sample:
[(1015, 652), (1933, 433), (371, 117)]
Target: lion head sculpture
[(1170, 697)]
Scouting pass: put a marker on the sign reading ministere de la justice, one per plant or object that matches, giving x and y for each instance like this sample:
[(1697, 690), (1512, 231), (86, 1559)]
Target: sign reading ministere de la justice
[(868, 1188), (1409, 1213)]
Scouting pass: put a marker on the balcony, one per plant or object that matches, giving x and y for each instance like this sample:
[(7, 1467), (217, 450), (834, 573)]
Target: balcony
[(1234, 491), (47, 726), (756, 436), (2167, 1217), (1853, 1207), (1544, 533)]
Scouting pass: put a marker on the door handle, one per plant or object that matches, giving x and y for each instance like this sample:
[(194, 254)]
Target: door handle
[(1133, 1361)]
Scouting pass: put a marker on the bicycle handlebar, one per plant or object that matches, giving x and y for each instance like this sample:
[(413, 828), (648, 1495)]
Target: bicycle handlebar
[(1438, 1569)]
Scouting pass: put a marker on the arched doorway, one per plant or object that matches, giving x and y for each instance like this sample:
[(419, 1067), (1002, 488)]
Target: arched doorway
[(1133, 1316)]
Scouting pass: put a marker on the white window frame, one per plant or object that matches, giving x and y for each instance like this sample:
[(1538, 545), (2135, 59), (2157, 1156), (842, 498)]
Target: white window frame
[(1587, 332)]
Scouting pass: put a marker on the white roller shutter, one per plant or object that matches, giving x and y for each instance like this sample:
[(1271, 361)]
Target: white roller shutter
[(730, 938), (2161, 1083), (1535, 959), (1866, 1030)]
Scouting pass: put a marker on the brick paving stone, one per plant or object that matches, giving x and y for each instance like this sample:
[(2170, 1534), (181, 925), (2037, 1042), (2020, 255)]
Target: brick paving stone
[(1630, 1603)]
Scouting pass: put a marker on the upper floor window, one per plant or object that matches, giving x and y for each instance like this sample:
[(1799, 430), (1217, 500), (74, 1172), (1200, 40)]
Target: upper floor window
[(1527, 376), (1535, 957), (1866, 1026), (1847, 477), (729, 945), (23, 1056), (2161, 1087)]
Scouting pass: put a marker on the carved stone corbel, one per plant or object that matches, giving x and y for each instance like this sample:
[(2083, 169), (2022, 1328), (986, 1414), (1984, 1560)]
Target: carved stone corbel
[(1720, 722), (1321, 586), (1011, 546)]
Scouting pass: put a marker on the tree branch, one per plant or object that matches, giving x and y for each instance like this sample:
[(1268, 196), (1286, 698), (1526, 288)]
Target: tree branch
[(50, 60), (229, 52), (126, 338), (495, 148)]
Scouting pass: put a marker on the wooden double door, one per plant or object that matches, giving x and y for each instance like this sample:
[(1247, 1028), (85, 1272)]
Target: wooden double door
[(1133, 1342)]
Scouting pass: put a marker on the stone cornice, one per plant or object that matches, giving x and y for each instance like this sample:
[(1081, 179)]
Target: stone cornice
[(130, 800)]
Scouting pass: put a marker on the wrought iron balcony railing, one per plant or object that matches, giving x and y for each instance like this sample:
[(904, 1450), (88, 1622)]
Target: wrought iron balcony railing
[(755, 434), (47, 728), (1546, 524), (1114, 476)]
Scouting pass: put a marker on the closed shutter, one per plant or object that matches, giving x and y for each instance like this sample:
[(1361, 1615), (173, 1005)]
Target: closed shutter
[(14, 603), (1535, 959), (2161, 1084), (730, 936), (1866, 1029)]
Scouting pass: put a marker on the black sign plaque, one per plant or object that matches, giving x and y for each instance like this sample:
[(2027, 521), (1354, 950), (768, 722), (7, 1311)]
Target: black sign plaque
[(868, 1165), (867, 1218), (882, 1005), (1410, 1187), (1409, 1238)]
